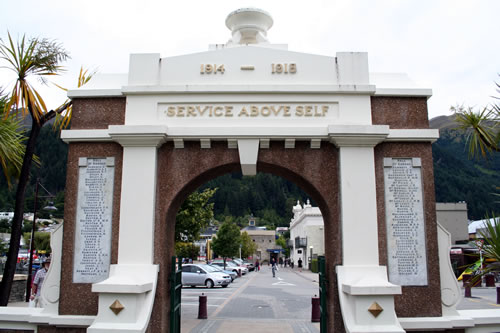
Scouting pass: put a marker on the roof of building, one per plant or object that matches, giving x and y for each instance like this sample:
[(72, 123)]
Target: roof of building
[(481, 224)]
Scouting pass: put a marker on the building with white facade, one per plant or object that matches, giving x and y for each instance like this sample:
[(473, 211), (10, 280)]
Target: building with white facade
[(306, 234)]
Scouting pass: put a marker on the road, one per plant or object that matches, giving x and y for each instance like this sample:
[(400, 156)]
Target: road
[(256, 301)]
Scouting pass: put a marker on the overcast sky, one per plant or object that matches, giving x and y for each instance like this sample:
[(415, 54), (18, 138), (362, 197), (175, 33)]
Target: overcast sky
[(450, 46)]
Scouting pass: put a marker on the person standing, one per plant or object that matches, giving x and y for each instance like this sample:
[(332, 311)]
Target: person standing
[(37, 283), (273, 266), (257, 265), (299, 264)]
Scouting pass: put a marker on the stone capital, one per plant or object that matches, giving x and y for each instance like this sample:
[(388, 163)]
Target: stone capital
[(138, 135), (357, 135)]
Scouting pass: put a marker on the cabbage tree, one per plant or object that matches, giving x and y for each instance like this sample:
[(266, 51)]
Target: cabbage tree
[(35, 58)]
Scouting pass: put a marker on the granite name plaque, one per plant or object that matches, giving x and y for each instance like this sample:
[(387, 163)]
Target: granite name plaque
[(406, 251), (93, 220)]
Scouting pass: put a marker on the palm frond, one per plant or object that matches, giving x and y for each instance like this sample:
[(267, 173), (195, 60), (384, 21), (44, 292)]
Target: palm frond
[(34, 57), (11, 144), (65, 111), (481, 132)]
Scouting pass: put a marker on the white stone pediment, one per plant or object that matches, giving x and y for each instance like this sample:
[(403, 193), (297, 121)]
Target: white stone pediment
[(249, 65)]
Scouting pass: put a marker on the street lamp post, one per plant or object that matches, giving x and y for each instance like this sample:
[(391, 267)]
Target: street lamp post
[(32, 242), (32, 246), (310, 257)]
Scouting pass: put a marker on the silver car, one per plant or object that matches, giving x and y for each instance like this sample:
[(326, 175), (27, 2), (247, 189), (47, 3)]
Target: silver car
[(203, 275)]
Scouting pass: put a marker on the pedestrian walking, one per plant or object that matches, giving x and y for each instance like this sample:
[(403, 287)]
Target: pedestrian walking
[(274, 266), (257, 265), (299, 264), (37, 283)]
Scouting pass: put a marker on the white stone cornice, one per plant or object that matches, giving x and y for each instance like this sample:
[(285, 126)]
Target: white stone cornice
[(340, 135), (413, 135), (138, 136), (348, 89), (357, 135), (404, 92), (85, 135)]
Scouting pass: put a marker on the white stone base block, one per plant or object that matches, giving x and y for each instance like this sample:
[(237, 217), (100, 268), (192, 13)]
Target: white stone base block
[(134, 287), (359, 288)]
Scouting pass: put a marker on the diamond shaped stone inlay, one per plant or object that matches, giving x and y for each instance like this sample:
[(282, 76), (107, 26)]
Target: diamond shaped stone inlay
[(116, 307), (375, 309)]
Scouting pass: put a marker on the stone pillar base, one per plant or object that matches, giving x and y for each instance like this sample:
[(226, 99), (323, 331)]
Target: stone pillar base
[(367, 299), (125, 299)]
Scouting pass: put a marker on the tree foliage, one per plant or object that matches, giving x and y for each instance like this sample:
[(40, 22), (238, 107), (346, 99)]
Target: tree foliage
[(186, 250), (269, 198), (281, 241), (226, 243), (248, 247), (42, 240), (195, 214)]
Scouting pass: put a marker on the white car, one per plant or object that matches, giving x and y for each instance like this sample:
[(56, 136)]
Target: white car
[(203, 275), (231, 266)]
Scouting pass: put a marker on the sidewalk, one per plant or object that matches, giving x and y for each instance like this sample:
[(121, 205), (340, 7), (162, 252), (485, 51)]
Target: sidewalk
[(306, 274)]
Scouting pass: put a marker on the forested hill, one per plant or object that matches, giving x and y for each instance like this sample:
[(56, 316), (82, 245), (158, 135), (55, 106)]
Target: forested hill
[(271, 198), (459, 178), (52, 152)]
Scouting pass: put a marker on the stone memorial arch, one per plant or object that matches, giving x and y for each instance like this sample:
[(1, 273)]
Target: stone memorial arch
[(358, 142)]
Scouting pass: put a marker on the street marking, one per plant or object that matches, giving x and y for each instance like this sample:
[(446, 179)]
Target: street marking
[(207, 326), (493, 304), (283, 283), (237, 292), (475, 301)]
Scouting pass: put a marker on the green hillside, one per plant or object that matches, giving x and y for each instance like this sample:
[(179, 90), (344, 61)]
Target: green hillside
[(458, 178)]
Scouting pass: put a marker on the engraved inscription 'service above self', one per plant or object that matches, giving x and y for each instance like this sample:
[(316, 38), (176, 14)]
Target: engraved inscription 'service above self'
[(243, 111)]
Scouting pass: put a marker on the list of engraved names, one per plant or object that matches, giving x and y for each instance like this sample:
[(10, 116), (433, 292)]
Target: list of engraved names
[(405, 222), (93, 220)]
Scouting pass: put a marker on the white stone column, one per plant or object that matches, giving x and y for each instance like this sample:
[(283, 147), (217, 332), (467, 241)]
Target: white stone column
[(358, 206), (366, 296), (138, 192), (358, 203), (137, 205), (131, 285)]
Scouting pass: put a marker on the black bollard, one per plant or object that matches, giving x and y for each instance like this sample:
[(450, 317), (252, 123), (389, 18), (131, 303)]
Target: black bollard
[(315, 312), (498, 295), (467, 289), (490, 280), (465, 279), (202, 308)]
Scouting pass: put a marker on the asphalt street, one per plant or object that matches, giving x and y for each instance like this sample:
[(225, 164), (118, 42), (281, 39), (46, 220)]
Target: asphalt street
[(482, 298), (256, 301)]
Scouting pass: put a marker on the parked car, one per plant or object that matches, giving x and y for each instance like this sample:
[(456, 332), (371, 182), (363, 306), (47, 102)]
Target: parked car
[(232, 274), (246, 263), (231, 266), (204, 275)]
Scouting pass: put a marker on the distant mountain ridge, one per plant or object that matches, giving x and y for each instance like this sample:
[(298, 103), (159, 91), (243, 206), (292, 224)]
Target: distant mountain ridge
[(443, 122)]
